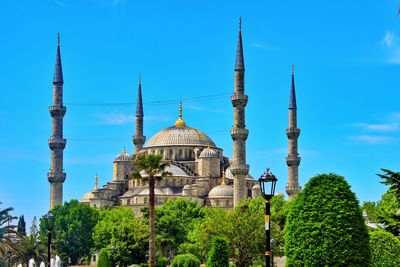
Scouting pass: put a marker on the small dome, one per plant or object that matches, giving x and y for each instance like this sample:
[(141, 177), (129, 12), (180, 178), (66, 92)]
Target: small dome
[(229, 175), (208, 153), (187, 187), (256, 186), (123, 157), (86, 197), (219, 191)]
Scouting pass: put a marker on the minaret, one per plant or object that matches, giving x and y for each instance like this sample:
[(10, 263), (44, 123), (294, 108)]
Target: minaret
[(293, 159), (138, 139), (56, 175), (239, 133)]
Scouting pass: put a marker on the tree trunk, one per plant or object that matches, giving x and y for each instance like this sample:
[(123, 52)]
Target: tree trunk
[(152, 242)]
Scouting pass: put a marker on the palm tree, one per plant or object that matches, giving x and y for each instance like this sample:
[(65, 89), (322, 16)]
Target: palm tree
[(29, 247), (7, 232), (152, 167)]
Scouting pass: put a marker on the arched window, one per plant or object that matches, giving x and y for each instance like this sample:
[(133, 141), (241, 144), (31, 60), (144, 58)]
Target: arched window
[(217, 202), (180, 154), (128, 202), (171, 154)]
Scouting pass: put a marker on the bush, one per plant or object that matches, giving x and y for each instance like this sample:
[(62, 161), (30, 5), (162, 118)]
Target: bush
[(385, 249), (162, 262), (325, 226), (219, 253), (104, 260), (185, 260)]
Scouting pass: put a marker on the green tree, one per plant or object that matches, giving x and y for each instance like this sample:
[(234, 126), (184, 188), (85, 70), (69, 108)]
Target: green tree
[(152, 167), (219, 253), (185, 260), (29, 247), (325, 226), (122, 235), (174, 220), (370, 207), (385, 249), (6, 231), (388, 212), (21, 227), (104, 260), (392, 179), (71, 230)]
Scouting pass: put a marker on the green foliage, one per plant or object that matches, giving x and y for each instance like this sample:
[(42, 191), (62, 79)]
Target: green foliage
[(162, 262), (6, 228), (219, 253), (325, 226), (104, 260), (370, 208), (123, 235), (392, 179), (185, 260), (71, 230), (28, 247), (173, 222), (21, 227), (385, 249), (388, 212)]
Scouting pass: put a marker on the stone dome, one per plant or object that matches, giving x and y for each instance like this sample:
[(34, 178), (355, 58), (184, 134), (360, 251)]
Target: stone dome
[(229, 175), (257, 186), (172, 169), (123, 157), (208, 153), (180, 136), (86, 197), (221, 191)]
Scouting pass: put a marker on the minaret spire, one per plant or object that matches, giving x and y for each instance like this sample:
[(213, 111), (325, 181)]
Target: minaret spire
[(139, 139), (239, 133), (56, 175), (293, 159)]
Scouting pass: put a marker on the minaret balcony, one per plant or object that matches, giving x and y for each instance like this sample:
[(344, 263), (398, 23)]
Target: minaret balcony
[(239, 100), (55, 177), (239, 133), (292, 132), (239, 169), (293, 160), (293, 190), (57, 110), (55, 142), (138, 139)]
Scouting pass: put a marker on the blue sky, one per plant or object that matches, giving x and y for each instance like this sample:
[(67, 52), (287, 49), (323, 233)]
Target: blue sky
[(346, 55)]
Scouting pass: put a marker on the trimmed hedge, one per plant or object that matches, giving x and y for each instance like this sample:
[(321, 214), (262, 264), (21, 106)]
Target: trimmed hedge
[(385, 249)]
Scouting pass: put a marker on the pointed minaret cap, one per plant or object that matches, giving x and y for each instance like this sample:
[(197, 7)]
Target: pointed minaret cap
[(139, 103), (180, 122), (96, 183), (239, 51), (292, 100), (58, 75)]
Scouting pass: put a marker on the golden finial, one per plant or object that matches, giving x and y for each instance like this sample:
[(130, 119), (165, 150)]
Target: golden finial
[(240, 23), (292, 69), (96, 182), (140, 78), (58, 39), (223, 182), (180, 122)]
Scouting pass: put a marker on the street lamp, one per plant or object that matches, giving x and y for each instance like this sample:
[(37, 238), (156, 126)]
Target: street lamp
[(49, 221), (267, 183), (9, 254)]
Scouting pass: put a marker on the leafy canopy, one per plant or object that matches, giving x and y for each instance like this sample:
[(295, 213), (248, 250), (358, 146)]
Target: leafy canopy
[(385, 249)]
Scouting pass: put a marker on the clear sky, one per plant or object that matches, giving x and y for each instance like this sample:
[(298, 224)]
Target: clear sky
[(346, 55)]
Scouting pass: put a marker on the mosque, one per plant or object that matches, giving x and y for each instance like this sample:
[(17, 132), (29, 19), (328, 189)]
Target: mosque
[(198, 169)]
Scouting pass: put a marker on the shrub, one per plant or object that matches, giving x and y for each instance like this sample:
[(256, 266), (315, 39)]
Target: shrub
[(162, 262), (219, 253), (104, 260), (385, 249), (185, 260), (325, 226)]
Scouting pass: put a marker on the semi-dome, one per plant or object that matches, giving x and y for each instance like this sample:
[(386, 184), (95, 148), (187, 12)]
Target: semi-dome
[(123, 157), (180, 136), (221, 191), (86, 197), (208, 153)]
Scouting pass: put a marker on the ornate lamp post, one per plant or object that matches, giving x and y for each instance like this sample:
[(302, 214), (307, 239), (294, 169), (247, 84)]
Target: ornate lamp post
[(267, 183), (49, 221)]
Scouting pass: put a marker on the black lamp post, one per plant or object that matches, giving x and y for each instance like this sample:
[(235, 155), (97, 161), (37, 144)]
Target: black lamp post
[(49, 221), (9, 254), (267, 183)]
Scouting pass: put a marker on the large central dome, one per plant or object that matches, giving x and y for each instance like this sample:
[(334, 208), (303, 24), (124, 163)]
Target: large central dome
[(180, 136)]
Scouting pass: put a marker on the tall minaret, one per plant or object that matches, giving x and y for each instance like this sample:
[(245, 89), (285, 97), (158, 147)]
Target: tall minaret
[(138, 139), (239, 133), (57, 143), (293, 159)]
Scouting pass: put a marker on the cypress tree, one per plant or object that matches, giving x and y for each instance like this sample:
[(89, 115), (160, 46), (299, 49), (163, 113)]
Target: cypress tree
[(21, 228), (104, 260), (219, 253)]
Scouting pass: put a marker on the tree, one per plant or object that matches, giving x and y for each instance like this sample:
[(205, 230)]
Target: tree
[(152, 167), (122, 235), (185, 260), (174, 220), (104, 260), (71, 230), (219, 253), (21, 225), (6, 231), (388, 212), (325, 226), (370, 207), (392, 179), (33, 230), (385, 249), (29, 247)]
